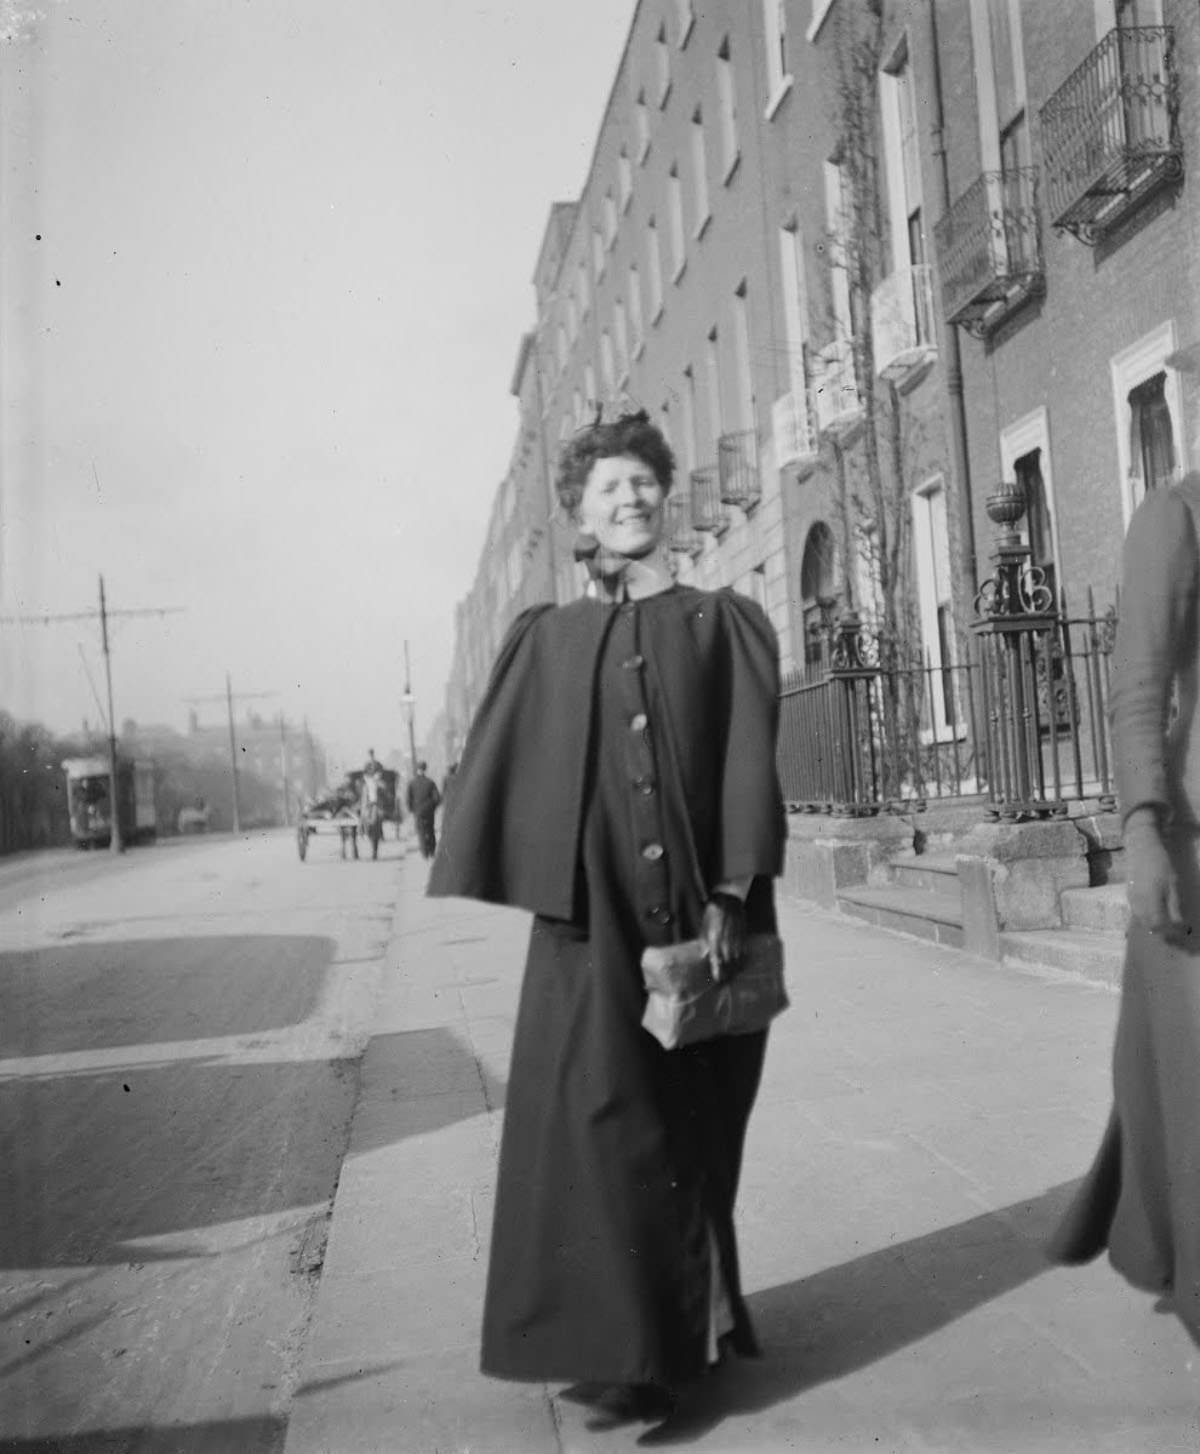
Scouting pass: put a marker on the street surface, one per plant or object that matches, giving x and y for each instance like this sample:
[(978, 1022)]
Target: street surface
[(179, 1033)]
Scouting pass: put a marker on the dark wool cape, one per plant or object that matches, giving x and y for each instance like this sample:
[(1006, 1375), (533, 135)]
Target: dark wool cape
[(621, 764)]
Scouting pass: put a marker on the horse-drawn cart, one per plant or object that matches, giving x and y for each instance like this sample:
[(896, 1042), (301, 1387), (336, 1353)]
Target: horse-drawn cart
[(352, 809)]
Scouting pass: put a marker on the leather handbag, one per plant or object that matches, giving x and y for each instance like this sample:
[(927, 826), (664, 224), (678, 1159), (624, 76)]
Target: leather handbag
[(684, 1004)]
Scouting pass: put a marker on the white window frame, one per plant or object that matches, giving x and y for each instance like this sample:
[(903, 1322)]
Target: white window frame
[(928, 601), (687, 19), (700, 174), (675, 218), (641, 122), (1022, 437), (621, 340), (715, 401), (598, 259), (794, 294), (727, 96), (894, 76), (654, 258), (743, 359), (636, 313), (624, 180), (779, 77), (688, 410), (609, 209), (662, 65), (1127, 369), (820, 9), (585, 289)]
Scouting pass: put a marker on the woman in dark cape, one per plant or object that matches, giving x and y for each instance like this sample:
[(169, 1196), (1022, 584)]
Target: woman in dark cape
[(619, 782), (1141, 1198)]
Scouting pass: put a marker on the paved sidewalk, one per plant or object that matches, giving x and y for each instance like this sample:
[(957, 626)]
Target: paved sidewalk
[(921, 1123)]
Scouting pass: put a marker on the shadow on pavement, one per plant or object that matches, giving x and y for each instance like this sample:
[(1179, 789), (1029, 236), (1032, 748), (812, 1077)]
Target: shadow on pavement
[(261, 1434), (96, 993), (844, 1318)]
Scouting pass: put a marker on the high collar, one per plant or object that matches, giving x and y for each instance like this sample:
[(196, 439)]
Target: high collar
[(633, 580)]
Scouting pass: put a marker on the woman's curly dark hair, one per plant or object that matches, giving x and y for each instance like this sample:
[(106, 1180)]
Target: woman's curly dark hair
[(631, 434)]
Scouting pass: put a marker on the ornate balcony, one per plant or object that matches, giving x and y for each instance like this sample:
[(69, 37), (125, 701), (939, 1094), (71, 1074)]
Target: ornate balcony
[(1110, 132), (737, 469), (708, 514), (794, 430), (836, 404), (903, 328), (682, 538), (990, 248)]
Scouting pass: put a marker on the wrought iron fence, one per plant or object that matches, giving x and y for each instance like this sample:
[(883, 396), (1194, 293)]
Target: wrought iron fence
[(1020, 726)]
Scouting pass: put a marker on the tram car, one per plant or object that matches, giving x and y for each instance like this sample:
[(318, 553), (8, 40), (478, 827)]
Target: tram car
[(89, 801)]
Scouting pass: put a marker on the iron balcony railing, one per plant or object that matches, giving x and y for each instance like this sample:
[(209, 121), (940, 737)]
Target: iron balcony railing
[(682, 537), (737, 469), (836, 403), (794, 430), (708, 514), (903, 327), (1110, 133), (990, 247)]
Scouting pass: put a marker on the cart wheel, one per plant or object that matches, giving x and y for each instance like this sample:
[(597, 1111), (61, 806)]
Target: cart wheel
[(302, 843)]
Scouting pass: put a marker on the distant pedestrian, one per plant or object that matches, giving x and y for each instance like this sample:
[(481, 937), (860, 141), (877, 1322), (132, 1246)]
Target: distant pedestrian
[(423, 799), (1141, 1198), (619, 782)]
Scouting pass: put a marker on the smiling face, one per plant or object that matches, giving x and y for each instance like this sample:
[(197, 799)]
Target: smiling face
[(622, 505)]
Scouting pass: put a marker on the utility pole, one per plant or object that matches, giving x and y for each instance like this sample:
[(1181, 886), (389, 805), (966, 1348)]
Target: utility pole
[(410, 705), (104, 614), (227, 698)]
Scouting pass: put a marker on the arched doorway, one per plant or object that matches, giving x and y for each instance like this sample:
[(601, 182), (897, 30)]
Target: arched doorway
[(819, 593)]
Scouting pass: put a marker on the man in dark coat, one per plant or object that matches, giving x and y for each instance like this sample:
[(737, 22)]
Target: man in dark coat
[(423, 801)]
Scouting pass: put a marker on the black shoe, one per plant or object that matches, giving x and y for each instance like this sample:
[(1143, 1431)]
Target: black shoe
[(631, 1403)]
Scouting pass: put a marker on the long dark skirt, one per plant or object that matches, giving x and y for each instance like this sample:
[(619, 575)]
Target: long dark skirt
[(1141, 1197), (616, 1158)]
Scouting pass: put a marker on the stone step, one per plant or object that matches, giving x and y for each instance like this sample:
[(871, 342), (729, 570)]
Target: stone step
[(928, 915), (937, 872), (1104, 908), (1086, 952)]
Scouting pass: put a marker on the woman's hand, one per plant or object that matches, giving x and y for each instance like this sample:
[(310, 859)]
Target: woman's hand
[(723, 933), (1151, 884)]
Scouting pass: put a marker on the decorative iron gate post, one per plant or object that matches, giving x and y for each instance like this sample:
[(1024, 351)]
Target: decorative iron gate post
[(853, 672), (1017, 632)]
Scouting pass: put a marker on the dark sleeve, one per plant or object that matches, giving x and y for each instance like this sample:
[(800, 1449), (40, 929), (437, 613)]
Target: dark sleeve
[(1158, 588), (472, 858), (753, 826)]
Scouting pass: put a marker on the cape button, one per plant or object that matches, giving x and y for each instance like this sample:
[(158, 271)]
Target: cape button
[(644, 785), (639, 723), (632, 663), (653, 851), (660, 914)]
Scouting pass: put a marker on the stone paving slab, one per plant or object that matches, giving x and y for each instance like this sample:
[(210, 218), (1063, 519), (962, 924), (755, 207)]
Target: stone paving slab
[(922, 1122)]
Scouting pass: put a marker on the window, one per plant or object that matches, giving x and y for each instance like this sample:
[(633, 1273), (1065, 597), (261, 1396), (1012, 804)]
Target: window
[(712, 361), (820, 9), (621, 337), (572, 317), (562, 346), (591, 398), (607, 369), (795, 308), (1147, 402), (700, 173), (1151, 438), (1038, 524), (779, 79), (902, 163), (819, 594), (662, 62), (727, 99), (635, 307), (641, 122), (687, 406), (836, 222), (931, 544), (654, 260), (687, 18), (624, 180), (610, 220), (675, 213), (597, 253), (585, 289), (1000, 73), (741, 355)]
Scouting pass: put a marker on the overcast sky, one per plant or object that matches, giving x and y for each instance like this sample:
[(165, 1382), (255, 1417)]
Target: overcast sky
[(264, 269)]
